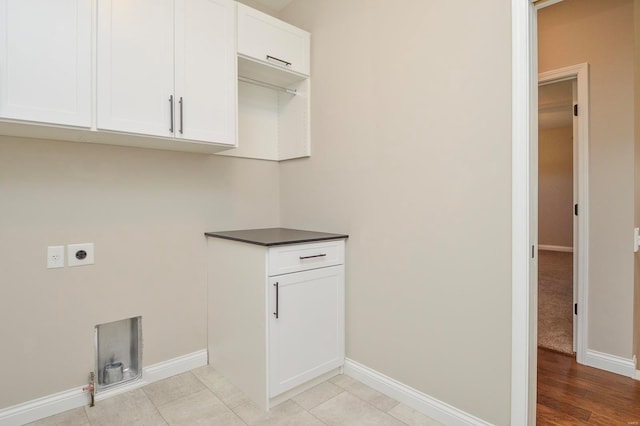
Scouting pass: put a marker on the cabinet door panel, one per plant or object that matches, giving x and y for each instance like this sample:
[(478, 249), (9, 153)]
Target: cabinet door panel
[(268, 39), (307, 338), (135, 66), (206, 70), (45, 61)]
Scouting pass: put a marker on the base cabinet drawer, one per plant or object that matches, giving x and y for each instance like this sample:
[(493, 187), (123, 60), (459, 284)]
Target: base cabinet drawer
[(303, 257)]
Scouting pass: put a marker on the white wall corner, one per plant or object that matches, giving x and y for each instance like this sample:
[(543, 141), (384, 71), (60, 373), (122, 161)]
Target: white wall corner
[(50, 405), (611, 363), (415, 399)]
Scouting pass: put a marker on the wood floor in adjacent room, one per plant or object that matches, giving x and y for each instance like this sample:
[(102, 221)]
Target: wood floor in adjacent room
[(574, 394)]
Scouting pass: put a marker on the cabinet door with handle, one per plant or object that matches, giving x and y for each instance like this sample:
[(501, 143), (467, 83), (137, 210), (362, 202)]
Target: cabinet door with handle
[(273, 41), (135, 66), (45, 61), (206, 71), (306, 326)]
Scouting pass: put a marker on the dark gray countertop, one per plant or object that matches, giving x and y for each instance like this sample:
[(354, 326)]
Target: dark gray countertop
[(275, 236)]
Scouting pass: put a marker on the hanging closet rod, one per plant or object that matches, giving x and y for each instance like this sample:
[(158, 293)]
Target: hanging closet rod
[(268, 85)]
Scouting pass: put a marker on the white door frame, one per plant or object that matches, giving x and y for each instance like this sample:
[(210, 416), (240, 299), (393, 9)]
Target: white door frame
[(524, 94), (580, 73), (524, 238)]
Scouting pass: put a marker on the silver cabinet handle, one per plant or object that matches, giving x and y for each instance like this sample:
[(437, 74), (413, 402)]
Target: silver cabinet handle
[(171, 112), (313, 257), (181, 115), (276, 313), (282, 61)]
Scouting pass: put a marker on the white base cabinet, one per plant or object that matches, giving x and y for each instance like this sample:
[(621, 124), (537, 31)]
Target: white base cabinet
[(306, 338), (270, 332)]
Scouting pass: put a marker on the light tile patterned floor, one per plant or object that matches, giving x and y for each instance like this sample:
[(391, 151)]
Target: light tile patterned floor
[(204, 397)]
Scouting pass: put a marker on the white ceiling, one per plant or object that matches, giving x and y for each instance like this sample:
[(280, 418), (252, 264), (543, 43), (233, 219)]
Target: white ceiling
[(276, 5), (555, 105)]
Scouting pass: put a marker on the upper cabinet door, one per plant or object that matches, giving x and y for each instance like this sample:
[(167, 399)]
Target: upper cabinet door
[(45, 61), (206, 71), (135, 66), (273, 41)]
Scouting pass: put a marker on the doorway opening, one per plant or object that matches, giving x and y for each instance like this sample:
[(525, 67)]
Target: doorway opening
[(562, 203), (557, 215), (525, 209)]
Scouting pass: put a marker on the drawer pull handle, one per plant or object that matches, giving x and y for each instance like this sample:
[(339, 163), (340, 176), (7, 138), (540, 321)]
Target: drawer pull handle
[(171, 113), (282, 61), (313, 257), (181, 115), (276, 313)]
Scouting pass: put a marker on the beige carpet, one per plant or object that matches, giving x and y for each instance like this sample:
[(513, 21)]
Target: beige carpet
[(555, 301)]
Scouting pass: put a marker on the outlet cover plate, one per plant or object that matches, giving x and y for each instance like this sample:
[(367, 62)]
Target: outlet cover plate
[(80, 254), (55, 257)]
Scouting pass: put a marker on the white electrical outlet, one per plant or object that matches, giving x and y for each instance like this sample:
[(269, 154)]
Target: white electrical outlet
[(55, 257), (80, 254)]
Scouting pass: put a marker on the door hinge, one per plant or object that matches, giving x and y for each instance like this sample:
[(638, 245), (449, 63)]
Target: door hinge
[(575, 110), (575, 309), (575, 209), (533, 252), (636, 239)]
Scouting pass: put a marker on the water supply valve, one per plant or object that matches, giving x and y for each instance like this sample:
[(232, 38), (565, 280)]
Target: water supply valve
[(91, 388)]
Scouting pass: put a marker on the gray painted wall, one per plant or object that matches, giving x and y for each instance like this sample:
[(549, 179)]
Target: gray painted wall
[(146, 211), (411, 134)]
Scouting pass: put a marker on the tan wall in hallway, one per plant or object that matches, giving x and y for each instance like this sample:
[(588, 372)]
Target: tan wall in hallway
[(411, 113), (601, 33), (555, 186), (636, 20), (146, 211)]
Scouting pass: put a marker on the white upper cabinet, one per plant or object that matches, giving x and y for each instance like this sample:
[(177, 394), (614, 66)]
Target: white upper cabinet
[(135, 66), (167, 68), (45, 61), (273, 89), (270, 40), (206, 70)]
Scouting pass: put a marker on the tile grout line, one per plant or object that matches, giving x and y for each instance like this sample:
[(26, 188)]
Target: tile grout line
[(345, 387), (369, 403), (154, 405), (206, 388), (309, 411), (224, 403)]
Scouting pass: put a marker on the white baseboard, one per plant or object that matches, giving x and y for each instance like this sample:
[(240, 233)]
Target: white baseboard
[(611, 363), (174, 366), (415, 399), (43, 407), (50, 405), (555, 248)]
